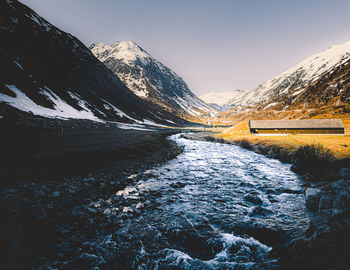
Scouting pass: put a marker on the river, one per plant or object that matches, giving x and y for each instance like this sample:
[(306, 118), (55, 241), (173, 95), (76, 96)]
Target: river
[(215, 206)]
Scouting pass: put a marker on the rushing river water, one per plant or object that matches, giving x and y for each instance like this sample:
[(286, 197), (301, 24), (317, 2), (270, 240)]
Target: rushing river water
[(215, 206)]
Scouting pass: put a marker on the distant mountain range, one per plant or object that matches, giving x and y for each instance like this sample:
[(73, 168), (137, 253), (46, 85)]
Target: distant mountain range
[(48, 73), (149, 79), (222, 100), (320, 80)]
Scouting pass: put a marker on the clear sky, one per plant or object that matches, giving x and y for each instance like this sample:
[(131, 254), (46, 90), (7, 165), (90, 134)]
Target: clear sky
[(214, 45)]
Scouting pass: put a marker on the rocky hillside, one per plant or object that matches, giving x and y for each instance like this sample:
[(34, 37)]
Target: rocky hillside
[(149, 79), (48, 73), (320, 80)]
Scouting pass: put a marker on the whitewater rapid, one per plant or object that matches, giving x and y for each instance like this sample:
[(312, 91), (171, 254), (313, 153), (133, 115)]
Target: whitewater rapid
[(215, 206)]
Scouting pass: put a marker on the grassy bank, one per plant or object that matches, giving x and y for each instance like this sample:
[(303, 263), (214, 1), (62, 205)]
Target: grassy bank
[(316, 157), (337, 144), (319, 157)]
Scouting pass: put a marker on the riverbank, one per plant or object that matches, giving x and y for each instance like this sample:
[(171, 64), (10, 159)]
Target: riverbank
[(339, 145), (54, 178), (107, 218), (317, 158), (38, 153), (197, 211), (327, 198)]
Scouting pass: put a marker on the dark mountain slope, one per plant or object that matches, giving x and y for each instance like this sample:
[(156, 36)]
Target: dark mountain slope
[(50, 73)]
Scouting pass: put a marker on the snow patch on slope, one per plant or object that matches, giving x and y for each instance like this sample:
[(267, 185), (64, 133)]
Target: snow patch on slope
[(61, 108), (110, 106), (132, 126), (40, 21)]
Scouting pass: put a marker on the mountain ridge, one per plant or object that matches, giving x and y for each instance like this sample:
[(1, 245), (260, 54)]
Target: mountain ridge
[(150, 79), (50, 73), (288, 88)]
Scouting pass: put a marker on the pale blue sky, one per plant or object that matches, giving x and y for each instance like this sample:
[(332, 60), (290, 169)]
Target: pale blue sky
[(215, 45)]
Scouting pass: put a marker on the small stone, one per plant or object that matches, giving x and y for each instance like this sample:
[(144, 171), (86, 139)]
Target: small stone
[(107, 211), (293, 191), (139, 205), (127, 209), (124, 216), (137, 212), (178, 185), (132, 176), (91, 210), (147, 203), (56, 194)]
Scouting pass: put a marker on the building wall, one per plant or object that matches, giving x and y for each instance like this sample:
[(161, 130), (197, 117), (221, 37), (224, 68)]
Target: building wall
[(298, 131)]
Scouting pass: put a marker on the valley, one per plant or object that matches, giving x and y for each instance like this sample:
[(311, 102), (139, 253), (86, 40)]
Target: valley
[(109, 161)]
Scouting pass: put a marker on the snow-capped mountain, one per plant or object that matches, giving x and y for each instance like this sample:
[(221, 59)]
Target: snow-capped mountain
[(222, 98), (47, 72), (149, 79), (317, 80)]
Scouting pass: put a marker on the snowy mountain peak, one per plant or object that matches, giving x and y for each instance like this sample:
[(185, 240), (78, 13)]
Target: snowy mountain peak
[(317, 64), (127, 51), (149, 79), (294, 81), (222, 98)]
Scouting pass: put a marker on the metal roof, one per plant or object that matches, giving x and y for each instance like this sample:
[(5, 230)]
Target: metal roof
[(285, 124)]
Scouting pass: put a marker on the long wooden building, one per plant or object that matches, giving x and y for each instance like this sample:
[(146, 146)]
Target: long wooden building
[(311, 126)]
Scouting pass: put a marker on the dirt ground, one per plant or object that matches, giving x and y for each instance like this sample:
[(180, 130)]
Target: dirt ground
[(36, 153)]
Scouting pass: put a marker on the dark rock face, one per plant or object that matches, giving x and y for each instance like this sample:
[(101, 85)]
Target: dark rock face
[(150, 79), (40, 60), (326, 244)]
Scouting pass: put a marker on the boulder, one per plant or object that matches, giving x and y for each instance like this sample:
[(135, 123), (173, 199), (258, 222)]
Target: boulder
[(345, 173), (312, 198), (253, 198)]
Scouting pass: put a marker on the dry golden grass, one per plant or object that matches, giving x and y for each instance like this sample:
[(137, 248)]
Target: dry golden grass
[(338, 144), (347, 126), (232, 117), (240, 129)]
